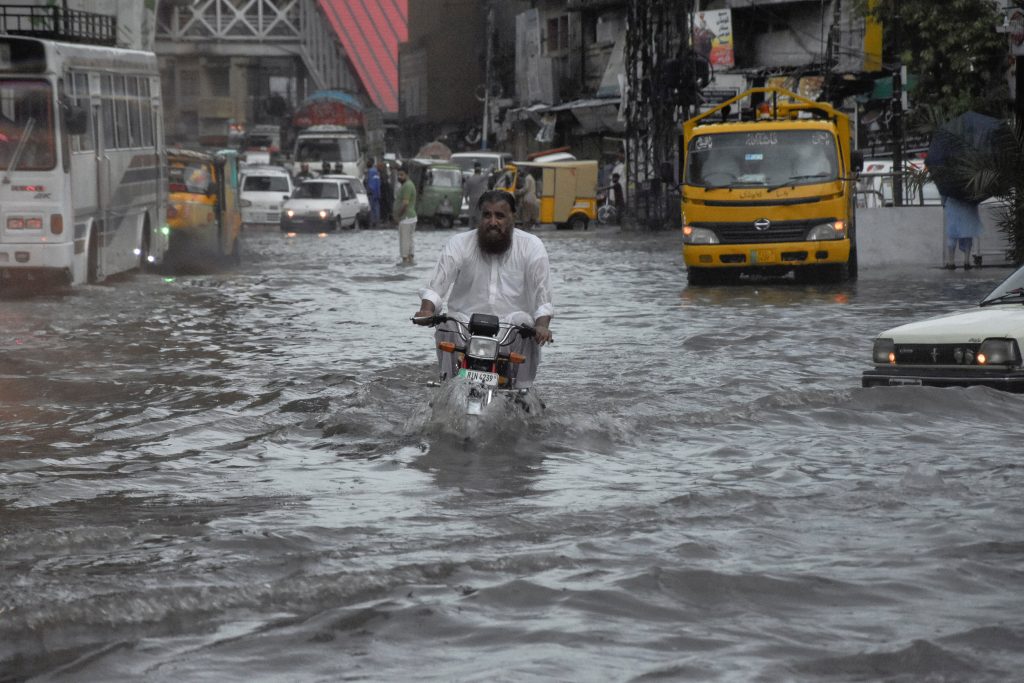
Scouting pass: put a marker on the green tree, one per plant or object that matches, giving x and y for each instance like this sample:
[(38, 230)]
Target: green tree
[(952, 47)]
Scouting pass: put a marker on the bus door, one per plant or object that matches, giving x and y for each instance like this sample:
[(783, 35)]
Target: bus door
[(103, 125)]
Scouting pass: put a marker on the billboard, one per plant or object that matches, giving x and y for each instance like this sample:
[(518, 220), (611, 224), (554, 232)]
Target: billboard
[(711, 36)]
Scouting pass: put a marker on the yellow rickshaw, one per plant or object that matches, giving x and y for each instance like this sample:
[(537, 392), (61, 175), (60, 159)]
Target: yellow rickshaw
[(203, 209), (567, 190)]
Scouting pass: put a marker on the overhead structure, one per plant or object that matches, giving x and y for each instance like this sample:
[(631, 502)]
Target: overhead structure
[(663, 80)]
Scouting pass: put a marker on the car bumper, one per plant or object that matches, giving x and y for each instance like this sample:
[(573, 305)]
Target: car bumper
[(772, 254), (997, 378), (302, 224)]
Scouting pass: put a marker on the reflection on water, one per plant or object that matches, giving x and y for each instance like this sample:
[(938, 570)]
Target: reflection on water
[(246, 475)]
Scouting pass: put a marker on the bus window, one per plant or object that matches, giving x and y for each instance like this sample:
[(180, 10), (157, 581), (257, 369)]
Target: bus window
[(121, 114), (26, 120), (134, 113), (79, 96), (107, 111)]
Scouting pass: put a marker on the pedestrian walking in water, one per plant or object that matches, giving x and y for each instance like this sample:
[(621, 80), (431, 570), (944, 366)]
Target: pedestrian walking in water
[(405, 214), (387, 192), (373, 190), (472, 190), (963, 225), (526, 198)]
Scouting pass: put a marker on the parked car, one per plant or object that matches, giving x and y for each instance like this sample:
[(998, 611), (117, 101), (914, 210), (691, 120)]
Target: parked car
[(981, 346), (361, 194), (319, 205), (265, 189)]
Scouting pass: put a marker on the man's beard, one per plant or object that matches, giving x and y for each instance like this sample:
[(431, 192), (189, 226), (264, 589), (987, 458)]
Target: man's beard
[(492, 242)]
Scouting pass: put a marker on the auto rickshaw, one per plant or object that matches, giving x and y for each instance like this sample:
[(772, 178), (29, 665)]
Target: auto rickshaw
[(203, 209), (567, 190), (438, 190)]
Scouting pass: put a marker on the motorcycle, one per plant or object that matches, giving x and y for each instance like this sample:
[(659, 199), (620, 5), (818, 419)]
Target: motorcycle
[(607, 212), (482, 360)]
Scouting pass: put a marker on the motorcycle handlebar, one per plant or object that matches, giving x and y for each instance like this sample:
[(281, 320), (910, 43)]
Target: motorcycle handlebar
[(525, 331)]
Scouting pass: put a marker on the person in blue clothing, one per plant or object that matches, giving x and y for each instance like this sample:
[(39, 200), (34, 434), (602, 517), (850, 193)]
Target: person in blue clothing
[(963, 225), (373, 190)]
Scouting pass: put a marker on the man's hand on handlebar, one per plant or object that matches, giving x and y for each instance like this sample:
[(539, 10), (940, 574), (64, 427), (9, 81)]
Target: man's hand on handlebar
[(543, 335), (424, 316)]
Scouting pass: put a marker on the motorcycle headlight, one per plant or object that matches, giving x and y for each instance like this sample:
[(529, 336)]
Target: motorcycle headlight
[(692, 235), (482, 347), (998, 352), (884, 351), (827, 231)]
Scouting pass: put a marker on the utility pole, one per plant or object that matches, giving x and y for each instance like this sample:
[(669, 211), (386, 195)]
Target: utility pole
[(897, 108)]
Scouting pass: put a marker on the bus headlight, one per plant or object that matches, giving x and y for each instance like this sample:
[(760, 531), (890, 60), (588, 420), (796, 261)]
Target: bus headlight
[(827, 231), (884, 352), (998, 352), (692, 235)]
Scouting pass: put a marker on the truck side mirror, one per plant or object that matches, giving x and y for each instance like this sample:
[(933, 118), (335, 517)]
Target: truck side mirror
[(857, 160), (667, 173)]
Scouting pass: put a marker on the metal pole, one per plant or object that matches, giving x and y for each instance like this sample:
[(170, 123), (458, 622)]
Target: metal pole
[(897, 110), (484, 132)]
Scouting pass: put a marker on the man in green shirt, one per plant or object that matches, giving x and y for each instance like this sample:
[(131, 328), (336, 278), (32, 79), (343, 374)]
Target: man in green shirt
[(405, 213)]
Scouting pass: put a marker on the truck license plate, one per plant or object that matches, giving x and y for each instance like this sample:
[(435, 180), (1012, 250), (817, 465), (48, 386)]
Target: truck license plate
[(763, 256), (488, 379)]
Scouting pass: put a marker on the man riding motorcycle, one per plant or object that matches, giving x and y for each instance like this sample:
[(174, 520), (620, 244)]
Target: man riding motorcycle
[(495, 269)]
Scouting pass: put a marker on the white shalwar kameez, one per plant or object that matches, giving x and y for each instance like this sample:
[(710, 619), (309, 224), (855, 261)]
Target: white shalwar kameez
[(515, 286)]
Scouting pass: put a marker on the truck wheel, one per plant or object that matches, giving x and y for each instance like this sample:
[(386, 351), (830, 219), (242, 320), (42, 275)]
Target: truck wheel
[(699, 277), (851, 265)]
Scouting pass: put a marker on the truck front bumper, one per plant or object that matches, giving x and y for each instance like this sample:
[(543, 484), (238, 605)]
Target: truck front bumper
[(773, 254)]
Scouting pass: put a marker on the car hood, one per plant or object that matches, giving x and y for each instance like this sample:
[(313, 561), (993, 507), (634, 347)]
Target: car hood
[(969, 326)]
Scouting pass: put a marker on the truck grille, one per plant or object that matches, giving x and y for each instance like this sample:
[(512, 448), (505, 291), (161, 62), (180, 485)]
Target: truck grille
[(778, 231)]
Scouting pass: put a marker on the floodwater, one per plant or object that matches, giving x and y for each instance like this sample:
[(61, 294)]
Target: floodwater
[(239, 477)]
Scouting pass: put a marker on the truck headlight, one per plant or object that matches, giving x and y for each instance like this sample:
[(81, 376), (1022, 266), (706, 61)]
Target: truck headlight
[(998, 352), (827, 231), (692, 235), (884, 352)]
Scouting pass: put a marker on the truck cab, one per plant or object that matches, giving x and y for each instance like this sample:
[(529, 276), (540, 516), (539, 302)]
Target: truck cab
[(771, 193), (334, 145)]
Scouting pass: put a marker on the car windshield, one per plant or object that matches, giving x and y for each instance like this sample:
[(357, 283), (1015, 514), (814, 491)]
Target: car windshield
[(1010, 290), (26, 121), (445, 177), (762, 158), (327, 149), (265, 183), (357, 185), (317, 190)]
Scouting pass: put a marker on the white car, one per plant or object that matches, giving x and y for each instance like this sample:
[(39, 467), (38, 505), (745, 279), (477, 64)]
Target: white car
[(320, 205), (263, 192), (361, 194), (981, 346)]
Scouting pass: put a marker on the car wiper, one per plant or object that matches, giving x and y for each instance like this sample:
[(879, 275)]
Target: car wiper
[(793, 178), (1004, 298)]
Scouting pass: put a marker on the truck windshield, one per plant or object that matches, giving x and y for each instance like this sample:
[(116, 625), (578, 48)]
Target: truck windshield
[(762, 158), (326, 149), (26, 120)]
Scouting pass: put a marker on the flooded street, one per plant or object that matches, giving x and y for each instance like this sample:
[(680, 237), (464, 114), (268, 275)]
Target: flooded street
[(239, 477)]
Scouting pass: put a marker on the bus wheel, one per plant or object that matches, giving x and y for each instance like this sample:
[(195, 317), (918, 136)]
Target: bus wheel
[(92, 268), (578, 222)]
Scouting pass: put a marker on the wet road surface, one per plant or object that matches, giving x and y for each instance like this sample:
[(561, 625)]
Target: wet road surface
[(239, 476)]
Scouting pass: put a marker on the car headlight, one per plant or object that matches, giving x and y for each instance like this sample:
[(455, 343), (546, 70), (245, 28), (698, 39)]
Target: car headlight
[(998, 352), (290, 213), (692, 235), (884, 351), (324, 213), (482, 347), (827, 231)]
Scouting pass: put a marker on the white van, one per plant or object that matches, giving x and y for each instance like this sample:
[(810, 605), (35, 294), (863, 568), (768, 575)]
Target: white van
[(263, 191), (489, 161)]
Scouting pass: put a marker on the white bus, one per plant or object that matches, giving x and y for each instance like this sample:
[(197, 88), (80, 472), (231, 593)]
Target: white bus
[(83, 191)]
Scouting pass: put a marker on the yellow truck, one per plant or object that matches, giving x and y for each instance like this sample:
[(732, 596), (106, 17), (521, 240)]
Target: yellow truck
[(770, 193)]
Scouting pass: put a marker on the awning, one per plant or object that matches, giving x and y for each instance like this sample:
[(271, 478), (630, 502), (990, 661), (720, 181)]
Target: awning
[(595, 115)]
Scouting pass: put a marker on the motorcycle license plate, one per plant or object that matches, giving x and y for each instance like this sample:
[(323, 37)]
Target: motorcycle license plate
[(488, 379)]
